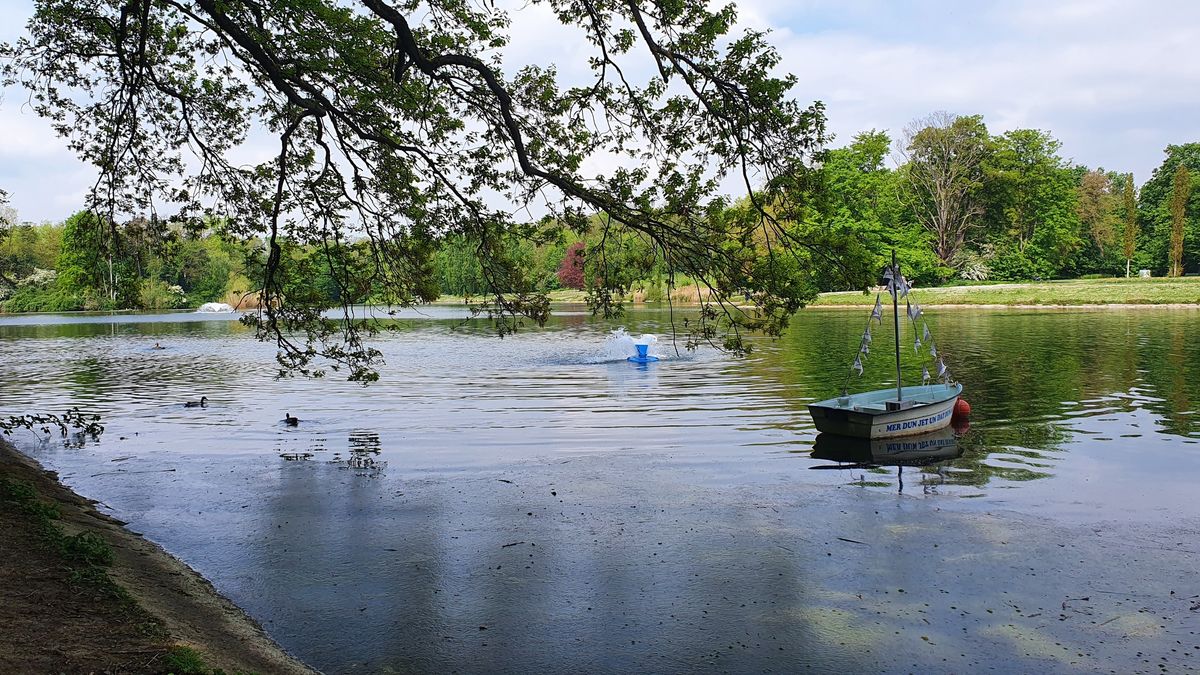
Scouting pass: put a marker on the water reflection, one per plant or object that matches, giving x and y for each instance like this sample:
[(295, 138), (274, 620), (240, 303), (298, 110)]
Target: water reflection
[(931, 451), (1051, 391), (905, 451)]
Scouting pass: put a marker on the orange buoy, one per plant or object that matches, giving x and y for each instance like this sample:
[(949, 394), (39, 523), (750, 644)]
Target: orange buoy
[(962, 408)]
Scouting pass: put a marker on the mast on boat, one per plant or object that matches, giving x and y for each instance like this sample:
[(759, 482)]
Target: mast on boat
[(896, 322)]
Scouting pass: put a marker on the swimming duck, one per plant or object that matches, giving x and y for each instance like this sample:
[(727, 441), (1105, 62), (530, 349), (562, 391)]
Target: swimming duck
[(203, 402), (289, 420)]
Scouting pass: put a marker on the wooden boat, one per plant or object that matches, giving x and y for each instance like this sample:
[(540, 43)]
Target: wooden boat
[(888, 413), (870, 415)]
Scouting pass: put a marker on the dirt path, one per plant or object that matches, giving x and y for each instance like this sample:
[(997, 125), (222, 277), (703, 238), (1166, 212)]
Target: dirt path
[(54, 625)]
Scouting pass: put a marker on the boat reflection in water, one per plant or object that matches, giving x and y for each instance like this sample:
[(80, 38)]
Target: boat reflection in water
[(864, 453)]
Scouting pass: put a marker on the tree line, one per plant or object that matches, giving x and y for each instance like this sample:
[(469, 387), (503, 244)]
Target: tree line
[(961, 204), (965, 204)]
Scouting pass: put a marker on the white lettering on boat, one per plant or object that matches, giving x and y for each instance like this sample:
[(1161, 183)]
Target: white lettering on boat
[(922, 422)]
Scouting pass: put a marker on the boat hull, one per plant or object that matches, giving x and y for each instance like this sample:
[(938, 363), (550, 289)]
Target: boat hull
[(866, 415)]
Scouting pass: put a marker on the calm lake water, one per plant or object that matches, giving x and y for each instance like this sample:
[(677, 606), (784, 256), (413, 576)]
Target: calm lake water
[(341, 534)]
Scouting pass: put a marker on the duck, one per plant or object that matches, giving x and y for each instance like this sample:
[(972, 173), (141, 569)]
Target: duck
[(289, 420), (158, 346), (203, 402)]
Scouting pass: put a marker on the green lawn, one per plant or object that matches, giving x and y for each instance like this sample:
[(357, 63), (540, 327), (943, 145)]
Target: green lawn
[(1069, 292), (567, 295), (1117, 291)]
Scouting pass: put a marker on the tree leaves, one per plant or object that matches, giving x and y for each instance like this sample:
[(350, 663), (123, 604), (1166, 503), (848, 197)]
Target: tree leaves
[(397, 127)]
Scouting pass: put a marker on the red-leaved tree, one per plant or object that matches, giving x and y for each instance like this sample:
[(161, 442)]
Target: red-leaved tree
[(570, 270)]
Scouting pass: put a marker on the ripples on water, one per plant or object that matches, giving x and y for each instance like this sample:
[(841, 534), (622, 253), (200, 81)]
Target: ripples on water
[(1073, 401)]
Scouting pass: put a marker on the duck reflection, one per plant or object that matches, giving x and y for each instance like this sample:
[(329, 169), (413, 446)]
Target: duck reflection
[(365, 446)]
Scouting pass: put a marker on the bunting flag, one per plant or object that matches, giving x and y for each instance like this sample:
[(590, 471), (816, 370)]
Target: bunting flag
[(864, 349), (917, 344), (933, 350), (904, 286), (926, 335), (876, 313), (867, 334), (857, 367), (941, 368), (914, 311), (924, 374)]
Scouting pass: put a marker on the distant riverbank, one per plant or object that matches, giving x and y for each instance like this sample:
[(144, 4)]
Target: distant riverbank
[(1114, 292), (1067, 293)]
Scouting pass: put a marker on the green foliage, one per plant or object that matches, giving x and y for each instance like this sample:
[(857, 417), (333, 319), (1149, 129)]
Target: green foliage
[(183, 660), (1155, 217), (156, 295), (86, 549), (1031, 206), (1180, 191), (943, 177), (1130, 221), (399, 128), (84, 554), (458, 269), (80, 260)]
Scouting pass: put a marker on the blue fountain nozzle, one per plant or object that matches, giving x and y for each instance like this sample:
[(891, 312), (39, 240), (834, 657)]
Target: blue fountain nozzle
[(643, 354)]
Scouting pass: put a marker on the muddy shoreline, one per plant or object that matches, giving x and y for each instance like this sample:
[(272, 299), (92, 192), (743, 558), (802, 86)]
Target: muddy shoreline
[(191, 610)]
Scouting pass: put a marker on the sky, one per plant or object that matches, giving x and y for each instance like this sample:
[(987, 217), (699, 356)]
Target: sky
[(1114, 81)]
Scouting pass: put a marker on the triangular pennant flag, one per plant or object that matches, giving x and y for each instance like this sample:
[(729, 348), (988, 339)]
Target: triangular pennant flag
[(925, 334), (864, 349), (877, 313), (917, 345), (867, 334), (857, 367), (904, 286), (924, 374), (941, 368), (933, 350), (914, 311)]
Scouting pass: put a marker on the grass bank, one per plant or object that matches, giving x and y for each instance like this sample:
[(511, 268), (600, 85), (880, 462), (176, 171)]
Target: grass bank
[(80, 593), (1066, 293)]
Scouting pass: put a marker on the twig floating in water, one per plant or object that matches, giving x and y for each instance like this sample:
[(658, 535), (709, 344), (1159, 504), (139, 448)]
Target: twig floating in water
[(515, 543), (505, 480), (852, 541), (128, 473)]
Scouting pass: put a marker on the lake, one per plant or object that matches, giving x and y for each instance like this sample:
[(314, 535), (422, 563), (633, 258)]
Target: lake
[(538, 503)]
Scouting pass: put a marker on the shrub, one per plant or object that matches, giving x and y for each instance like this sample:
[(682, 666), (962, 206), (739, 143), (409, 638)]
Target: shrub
[(156, 294), (570, 269)]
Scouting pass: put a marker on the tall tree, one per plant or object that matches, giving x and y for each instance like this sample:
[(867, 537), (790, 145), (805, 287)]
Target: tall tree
[(1129, 219), (944, 154), (1179, 200), (859, 196), (13, 264), (1155, 218), (404, 123), (1097, 208), (1030, 197)]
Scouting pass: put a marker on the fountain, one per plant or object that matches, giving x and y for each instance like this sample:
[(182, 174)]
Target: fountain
[(214, 308), (642, 345)]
